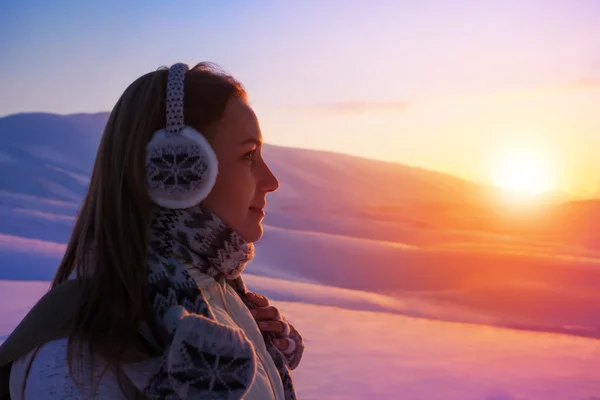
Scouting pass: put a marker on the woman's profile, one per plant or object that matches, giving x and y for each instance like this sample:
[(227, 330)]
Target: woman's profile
[(175, 202)]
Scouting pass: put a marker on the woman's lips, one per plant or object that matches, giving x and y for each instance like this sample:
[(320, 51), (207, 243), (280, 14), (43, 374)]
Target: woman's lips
[(258, 210)]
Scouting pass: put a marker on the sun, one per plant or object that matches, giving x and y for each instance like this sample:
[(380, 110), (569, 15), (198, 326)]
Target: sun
[(523, 171)]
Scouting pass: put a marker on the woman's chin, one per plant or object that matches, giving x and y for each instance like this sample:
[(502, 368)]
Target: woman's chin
[(252, 233)]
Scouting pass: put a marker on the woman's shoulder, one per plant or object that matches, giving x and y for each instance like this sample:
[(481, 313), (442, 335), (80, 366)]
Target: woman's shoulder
[(44, 373)]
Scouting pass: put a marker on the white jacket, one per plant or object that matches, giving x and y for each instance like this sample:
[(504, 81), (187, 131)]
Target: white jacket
[(229, 310), (44, 374)]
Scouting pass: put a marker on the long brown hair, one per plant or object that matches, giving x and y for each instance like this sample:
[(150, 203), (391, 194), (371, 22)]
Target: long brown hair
[(109, 240)]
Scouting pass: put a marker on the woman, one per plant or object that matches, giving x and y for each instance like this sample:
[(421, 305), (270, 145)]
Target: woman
[(160, 242)]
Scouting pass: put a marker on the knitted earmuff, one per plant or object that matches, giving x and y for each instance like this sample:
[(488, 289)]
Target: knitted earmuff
[(181, 166)]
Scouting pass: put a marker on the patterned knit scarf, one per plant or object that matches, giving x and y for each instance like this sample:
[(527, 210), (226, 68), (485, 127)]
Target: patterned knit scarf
[(203, 358)]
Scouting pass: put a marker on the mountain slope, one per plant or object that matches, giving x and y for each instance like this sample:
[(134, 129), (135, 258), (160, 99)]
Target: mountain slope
[(50, 157)]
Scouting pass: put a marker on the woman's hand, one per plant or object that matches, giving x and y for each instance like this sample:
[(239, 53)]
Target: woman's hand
[(269, 320)]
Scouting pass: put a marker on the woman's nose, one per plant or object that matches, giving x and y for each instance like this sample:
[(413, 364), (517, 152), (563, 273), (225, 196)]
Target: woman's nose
[(269, 182)]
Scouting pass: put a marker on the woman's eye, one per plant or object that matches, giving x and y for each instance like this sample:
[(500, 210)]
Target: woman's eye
[(250, 156)]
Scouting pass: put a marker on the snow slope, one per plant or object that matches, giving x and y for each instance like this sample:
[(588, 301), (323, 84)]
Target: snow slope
[(406, 283), (354, 354)]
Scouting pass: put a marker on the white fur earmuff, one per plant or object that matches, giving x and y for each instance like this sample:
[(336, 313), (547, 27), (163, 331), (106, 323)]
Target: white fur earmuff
[(181, 165)]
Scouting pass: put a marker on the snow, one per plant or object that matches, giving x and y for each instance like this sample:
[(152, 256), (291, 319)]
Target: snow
[(17, 298), (407, 284), (354, 354), (366, 355), (5, 158)]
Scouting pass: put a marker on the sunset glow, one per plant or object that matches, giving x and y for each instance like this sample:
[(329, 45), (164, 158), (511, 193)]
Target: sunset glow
[(524, 171)]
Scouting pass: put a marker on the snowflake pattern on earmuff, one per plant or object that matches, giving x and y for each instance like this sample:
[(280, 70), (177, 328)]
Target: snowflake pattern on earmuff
[(177, 166)]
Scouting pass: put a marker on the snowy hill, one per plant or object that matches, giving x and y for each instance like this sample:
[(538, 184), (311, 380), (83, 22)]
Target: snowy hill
[(407, 278), (358, 355)]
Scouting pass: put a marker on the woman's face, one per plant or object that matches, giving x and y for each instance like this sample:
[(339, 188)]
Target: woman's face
[(243, 181)]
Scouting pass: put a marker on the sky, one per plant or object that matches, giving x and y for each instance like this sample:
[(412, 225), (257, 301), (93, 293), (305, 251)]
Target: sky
[(464, 87)]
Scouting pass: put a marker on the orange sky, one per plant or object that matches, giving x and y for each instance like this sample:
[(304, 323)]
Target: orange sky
[(471, 135)]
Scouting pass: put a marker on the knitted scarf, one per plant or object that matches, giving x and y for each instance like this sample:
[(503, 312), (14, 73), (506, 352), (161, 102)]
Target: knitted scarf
[(203, 359)]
